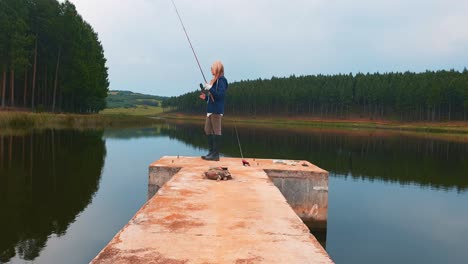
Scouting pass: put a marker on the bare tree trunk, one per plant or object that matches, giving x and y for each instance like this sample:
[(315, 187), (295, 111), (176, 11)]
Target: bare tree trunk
[(25, 93), (422, 113), (439, 113), (56, 79), (44, 94), (450, 112), (12, 87), (60, 101), (4, 88), (34, 76)]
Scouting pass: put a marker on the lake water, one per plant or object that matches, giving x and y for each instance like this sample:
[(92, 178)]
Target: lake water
[(393, 198)]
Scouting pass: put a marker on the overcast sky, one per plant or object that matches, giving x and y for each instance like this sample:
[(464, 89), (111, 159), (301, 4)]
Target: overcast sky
[(147, 51)]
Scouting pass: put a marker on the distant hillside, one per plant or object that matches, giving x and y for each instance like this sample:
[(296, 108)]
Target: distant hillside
[(128, 99)]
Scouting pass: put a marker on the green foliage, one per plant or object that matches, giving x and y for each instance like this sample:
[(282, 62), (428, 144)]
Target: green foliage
[(19, 36), (127, 99), (7, 22), (427, 96), (70, 74)]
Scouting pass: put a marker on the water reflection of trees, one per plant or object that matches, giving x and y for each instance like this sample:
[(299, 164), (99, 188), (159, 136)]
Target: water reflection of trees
[(46, 180), (384, 156)]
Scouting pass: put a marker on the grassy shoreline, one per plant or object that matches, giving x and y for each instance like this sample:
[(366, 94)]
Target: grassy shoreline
[(457, 127), (140, 110), (26, 120)]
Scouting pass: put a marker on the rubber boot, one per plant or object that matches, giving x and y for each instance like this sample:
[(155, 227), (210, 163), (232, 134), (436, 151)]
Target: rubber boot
[(216, 144), (210, 146)]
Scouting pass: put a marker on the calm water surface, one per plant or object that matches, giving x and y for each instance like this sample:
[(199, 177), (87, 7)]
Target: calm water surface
[(392, 198)]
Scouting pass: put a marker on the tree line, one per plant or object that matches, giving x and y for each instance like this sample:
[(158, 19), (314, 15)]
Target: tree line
[(427, 96), (50, 58)]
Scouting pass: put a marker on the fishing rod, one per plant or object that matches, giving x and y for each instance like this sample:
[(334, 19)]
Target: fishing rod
[(191, 46), (244, 162), (193, 50)]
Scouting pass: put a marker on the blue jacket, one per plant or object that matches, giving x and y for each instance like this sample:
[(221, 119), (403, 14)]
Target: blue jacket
[(218, 90)]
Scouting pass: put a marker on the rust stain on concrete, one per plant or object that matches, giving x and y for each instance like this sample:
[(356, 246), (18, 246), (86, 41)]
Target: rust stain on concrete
[(251, 260), (174, 216), (186, 192), (246, 220), (240, 225), (195, 207), (177, 225), (142, 256)]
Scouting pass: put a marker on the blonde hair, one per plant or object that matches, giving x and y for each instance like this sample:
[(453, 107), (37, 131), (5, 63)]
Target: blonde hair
[(218, 69)]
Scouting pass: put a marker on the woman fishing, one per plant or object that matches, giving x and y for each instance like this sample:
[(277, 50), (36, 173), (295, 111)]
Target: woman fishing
[(216, 90)]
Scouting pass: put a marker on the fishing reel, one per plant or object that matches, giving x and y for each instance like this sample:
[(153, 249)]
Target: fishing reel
[(202, 90), (206, 92)]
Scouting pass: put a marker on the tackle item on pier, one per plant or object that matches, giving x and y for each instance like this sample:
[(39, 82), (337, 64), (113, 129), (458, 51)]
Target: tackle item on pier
[(285, 162), (218, 174)]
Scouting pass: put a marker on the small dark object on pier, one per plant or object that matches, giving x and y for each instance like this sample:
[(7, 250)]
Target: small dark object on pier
[(218, 174)]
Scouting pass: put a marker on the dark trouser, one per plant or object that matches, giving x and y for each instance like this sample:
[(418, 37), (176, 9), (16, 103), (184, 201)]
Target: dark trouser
[(213, 132)]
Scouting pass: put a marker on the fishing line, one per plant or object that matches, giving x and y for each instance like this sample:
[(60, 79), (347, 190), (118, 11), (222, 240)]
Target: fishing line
[(238, 141)]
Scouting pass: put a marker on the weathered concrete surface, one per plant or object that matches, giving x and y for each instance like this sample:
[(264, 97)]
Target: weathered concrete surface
[(158, 176), (195, 220), (306, 192)]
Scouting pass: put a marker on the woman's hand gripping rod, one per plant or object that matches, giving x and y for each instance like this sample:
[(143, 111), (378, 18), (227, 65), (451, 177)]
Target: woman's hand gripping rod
[(203, 91)]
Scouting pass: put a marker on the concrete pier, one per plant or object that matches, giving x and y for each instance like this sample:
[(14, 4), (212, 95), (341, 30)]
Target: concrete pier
[(245, 220)]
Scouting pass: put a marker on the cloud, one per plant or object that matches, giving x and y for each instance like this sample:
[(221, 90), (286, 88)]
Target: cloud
[(147, 50)]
